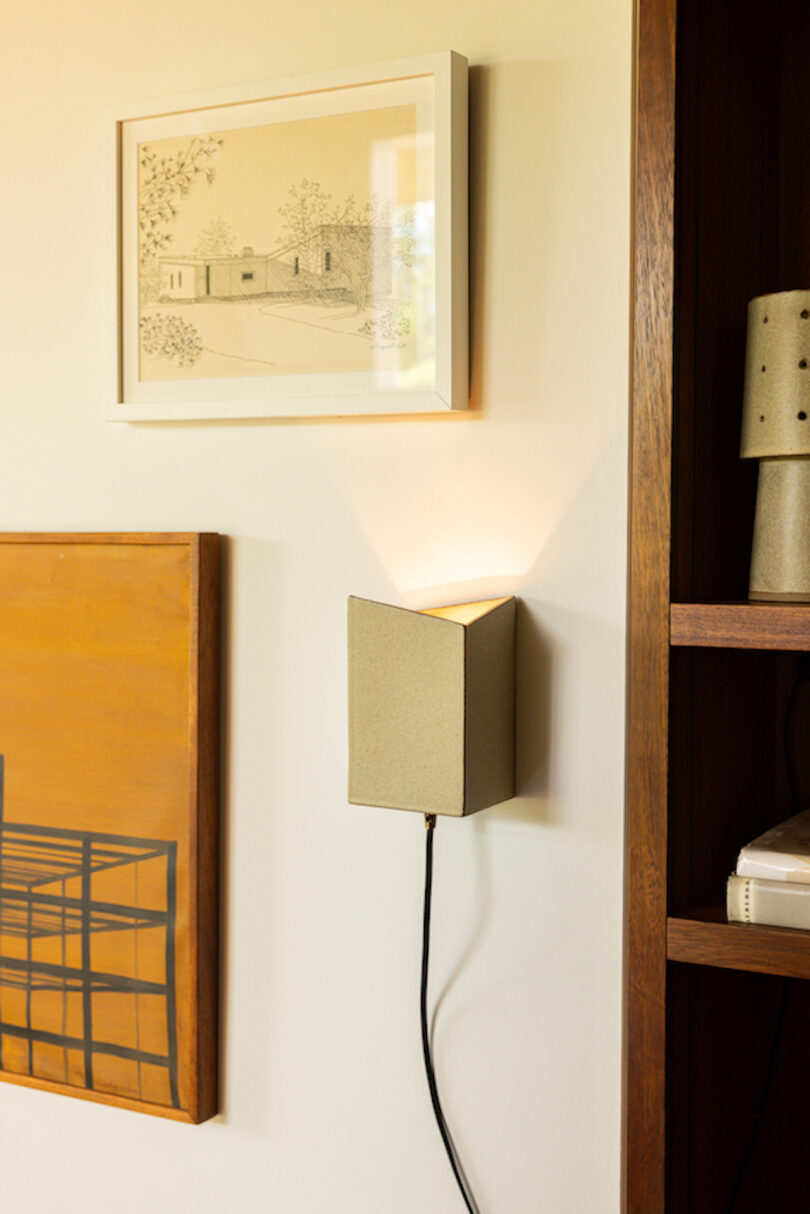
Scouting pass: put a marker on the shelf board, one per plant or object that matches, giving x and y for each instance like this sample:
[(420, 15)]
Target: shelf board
[(741, 625), (705, 938)]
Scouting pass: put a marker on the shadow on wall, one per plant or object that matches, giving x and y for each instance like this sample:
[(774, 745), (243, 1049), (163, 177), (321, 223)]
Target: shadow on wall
[(252, 580), (520, 318), (479, 100)]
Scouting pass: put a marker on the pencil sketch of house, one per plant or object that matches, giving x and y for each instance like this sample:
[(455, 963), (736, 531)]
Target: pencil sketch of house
[(236, 277), (351, 262)]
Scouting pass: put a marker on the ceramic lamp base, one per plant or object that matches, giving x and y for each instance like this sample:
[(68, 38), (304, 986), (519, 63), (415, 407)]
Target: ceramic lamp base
[(780, 557)]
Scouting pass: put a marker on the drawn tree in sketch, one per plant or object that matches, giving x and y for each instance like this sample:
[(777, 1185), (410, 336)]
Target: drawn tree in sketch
[(404, 239), (163, 182), (172, 338), (362, 256), (363, 245), (216, 239), (302, 219)]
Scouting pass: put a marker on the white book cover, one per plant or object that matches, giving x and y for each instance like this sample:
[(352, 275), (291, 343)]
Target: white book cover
[(779, 903), (781, 853)]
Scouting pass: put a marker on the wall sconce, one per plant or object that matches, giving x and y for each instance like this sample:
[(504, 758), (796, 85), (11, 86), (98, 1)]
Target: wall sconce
[(432, 706), (776, 431), (432, 729)]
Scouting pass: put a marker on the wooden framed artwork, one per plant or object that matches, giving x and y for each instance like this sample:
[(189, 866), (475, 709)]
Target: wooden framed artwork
[(108, 818), (297, 248)]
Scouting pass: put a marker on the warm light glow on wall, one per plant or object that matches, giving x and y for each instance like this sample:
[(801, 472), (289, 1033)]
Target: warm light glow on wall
[(449, 518)]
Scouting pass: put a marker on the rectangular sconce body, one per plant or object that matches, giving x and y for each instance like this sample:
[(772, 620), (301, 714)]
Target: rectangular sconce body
[(432, 706)]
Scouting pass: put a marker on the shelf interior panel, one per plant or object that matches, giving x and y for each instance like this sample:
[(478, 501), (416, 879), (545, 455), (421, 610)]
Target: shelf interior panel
[(738, 1038), (784, 626), (729, 778)]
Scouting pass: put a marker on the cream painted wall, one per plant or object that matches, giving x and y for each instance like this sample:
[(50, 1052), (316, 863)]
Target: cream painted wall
[(324, 1102)]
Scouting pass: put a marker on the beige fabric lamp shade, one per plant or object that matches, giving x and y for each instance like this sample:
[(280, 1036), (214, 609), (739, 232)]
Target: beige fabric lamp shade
[(776, 431), (432, 706)]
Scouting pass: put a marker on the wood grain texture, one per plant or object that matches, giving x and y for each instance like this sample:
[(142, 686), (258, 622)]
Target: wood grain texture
[(708, 940), (648, 613), (741, 625), (147, 538)]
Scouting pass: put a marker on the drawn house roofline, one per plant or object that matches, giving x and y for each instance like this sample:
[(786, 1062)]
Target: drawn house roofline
[(195, 259), (324, 262), (381, 231)]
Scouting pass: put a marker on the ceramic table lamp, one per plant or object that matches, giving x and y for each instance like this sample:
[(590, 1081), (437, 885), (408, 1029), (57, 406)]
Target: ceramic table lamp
[(776, 431)]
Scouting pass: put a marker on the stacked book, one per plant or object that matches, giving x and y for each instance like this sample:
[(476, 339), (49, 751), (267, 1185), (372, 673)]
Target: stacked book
[(772, 881)]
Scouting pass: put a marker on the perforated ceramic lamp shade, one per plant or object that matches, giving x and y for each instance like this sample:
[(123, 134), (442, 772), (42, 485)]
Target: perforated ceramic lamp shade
[(776, 431), (776, 403), (432, 706)]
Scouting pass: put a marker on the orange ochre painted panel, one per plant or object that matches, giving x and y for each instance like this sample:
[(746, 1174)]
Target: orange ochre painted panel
[(97, 733)]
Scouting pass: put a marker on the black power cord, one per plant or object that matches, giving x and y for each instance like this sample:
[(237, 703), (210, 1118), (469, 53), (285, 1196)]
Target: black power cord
[(430, 824), (776, 1042)]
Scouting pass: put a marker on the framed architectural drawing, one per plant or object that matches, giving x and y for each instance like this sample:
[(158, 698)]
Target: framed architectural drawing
[(298, 248), (108, 818)]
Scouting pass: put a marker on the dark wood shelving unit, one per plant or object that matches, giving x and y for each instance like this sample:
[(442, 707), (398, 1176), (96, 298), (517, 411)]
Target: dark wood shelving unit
[(705, 938), (784, 626), (722, 213)]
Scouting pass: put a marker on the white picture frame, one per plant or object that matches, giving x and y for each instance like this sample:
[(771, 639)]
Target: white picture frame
[(340, 289)]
